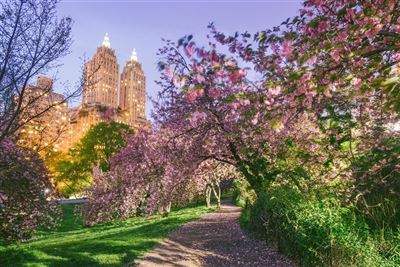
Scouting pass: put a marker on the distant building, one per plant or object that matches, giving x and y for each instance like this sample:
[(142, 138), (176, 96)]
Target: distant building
[(106, 97), (48, 128)]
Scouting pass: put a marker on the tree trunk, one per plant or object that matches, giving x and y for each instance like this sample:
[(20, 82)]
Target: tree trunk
[(217, 193), (164, 209), (168, 207), (160, 210), (208, 196)]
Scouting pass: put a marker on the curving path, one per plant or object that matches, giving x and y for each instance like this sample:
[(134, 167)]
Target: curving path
[(214, 240)]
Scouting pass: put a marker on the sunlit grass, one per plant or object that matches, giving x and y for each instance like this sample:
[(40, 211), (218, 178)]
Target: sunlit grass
[(112, 244)]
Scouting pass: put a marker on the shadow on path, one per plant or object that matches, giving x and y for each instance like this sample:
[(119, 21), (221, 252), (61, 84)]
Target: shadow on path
[(214, 240)]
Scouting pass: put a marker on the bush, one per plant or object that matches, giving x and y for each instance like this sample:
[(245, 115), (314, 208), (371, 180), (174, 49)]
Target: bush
[(25, 194), (314, 232), (377, 185)]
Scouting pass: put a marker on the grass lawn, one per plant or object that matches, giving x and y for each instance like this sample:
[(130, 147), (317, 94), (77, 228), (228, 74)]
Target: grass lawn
[(111, 244)]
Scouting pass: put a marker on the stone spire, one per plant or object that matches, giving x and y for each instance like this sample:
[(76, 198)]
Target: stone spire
[(134, 55), (106, 41)]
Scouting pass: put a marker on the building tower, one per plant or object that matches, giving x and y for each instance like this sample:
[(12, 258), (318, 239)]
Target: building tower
[(133, 91), (48, 128), (101, 77)]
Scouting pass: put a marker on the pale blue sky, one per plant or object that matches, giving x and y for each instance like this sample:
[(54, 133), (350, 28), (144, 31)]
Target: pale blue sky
[(141, 24)]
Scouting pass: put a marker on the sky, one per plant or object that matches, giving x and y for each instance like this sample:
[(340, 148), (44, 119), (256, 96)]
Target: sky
[(141, 24)]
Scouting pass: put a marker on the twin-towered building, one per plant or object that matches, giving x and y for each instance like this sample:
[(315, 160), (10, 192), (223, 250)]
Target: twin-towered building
[(107, 95), (105, 86), (106, 89)]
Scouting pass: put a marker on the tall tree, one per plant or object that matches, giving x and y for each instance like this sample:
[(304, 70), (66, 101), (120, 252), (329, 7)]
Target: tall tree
[(32, 40), (93, 152)]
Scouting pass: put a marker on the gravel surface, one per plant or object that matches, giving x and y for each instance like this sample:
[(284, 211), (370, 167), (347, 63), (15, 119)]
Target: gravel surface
[(214, 240)]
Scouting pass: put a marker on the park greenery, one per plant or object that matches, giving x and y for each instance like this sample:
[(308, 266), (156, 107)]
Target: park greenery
[(312, 142), (74, 171), (314, 139), (114, 244)]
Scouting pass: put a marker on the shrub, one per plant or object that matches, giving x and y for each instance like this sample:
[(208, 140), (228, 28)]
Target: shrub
[(313, 232), (25, 194), (377, 183)]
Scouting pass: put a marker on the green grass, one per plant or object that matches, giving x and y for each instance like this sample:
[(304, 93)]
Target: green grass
[(111, 244)]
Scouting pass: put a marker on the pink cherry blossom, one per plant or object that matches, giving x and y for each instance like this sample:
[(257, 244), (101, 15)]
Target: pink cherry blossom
[(178, 82), (237, 75), (189, 50), (356, 82), (287, 49), (191, 96), (196, 117), (200, 78), (214, 93), (312, 60), (274, 91), (350, 13), (170, 72)]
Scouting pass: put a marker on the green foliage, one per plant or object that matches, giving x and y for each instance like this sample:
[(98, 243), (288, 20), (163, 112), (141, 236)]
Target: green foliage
[(72, 176), (113, 244), (378, 192), (241, 193), (101, 142), (317, 232), (391, 88), (96, 148)]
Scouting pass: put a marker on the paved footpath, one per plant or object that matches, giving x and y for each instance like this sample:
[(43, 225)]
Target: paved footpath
[(214, 240)]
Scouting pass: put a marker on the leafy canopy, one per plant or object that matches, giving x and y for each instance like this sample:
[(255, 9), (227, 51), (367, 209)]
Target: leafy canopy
[(96, 148)]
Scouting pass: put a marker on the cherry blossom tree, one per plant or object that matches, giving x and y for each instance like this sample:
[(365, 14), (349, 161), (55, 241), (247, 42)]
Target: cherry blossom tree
[(30, 204), (151, 173), (326, 96), (337, 62), (333, 70)]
